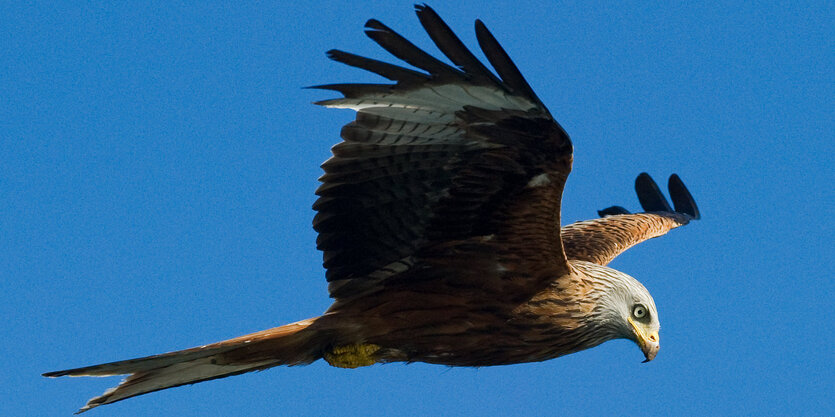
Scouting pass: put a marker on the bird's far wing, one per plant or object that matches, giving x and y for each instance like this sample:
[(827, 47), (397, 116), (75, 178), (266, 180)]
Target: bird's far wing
[(601, 240), (441, 155)]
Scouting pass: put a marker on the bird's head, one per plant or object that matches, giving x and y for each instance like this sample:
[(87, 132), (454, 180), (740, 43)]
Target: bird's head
[(624, 308)]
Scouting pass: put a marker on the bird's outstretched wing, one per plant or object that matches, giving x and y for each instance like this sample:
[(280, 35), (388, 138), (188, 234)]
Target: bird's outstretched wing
[(601, 240), (445, 154)]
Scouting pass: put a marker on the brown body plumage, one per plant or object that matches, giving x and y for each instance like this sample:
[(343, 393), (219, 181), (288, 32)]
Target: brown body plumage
[(439, 219)]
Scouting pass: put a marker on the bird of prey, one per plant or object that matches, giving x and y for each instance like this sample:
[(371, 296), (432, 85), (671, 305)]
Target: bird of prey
[(439, 219)]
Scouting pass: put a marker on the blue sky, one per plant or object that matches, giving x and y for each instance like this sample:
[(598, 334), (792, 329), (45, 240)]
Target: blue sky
[(159, 161)]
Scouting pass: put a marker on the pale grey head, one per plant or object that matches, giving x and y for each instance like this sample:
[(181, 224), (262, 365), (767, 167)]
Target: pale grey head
[(623, 308)]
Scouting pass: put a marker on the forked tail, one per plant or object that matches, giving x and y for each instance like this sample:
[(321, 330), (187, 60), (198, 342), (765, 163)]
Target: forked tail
[(293, 344)]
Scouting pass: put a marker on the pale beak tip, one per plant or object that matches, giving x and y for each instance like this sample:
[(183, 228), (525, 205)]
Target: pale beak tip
[(650, 352)]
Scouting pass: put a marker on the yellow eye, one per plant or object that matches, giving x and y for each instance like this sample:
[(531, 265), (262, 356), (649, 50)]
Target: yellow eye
[(639, 311)]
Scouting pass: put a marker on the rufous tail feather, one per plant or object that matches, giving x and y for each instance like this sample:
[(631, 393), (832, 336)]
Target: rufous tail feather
[(293, 344)]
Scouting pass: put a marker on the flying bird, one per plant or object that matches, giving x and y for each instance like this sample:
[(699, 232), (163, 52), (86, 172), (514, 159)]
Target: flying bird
[(439, 220)]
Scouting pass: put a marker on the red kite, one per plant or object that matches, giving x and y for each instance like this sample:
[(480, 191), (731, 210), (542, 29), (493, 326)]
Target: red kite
[(439, 219)]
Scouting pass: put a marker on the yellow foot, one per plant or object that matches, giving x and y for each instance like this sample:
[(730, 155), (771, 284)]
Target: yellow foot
[(352, 356)]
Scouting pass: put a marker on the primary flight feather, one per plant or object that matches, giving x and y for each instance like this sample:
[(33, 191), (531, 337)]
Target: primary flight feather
[(439, 220)]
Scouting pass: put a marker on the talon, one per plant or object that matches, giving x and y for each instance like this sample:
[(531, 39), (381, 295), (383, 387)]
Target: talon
[(352, 356)]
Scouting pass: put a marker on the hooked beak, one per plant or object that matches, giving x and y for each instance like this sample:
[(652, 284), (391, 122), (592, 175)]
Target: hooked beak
[(649, 343)]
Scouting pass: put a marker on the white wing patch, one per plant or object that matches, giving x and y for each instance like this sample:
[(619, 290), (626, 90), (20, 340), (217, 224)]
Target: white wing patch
[(539, 181), (446, 98)]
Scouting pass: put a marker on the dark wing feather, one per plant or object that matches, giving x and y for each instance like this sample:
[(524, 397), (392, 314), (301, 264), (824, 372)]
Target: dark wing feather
[(649, 195), (612, 211), (502, 63), (434, 159), (400, 47), (445, 39), (601, 240), (392, 72), (682, 200)]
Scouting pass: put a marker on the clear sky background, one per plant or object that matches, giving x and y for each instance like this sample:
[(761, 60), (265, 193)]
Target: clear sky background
[(158, 163)]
